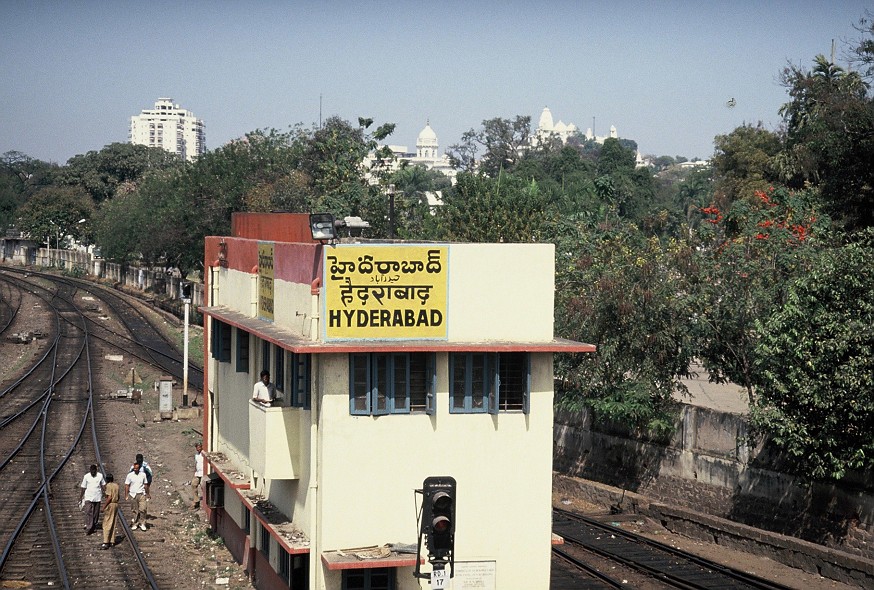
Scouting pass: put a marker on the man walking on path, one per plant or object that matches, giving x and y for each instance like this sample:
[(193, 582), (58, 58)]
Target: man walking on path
[(110, 511), (90, 495), (198, 475), (144, 466), (136, 489)]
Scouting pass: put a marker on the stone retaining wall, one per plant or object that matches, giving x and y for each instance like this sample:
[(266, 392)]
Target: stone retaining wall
[(709, 465)]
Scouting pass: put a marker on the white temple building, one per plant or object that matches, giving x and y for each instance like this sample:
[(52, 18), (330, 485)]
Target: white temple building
[(546, 129), (426, 154)]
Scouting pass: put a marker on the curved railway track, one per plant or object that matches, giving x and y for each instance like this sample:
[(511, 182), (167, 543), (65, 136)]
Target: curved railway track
[(141, 337), (49, 434), (628, 560)]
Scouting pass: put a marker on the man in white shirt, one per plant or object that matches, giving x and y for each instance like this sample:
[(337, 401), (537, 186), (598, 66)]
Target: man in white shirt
[(90, 496), (264, 392), (198, 474), (136, 489)]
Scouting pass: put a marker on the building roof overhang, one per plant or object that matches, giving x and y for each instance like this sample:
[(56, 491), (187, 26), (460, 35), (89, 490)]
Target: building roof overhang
[(368, 558), (288, 340)]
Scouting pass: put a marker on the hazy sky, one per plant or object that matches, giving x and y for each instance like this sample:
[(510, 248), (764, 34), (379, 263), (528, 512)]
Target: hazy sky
[(73, 72)]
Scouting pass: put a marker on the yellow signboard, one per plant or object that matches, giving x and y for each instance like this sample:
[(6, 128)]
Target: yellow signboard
[(378, 292), (265, 280)]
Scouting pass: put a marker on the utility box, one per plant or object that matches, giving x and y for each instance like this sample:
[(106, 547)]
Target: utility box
[(215, 491), (165, 395)]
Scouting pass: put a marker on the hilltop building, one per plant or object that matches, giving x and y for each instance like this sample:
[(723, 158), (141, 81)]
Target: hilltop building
[(426, 154), (546, 129), (170, 127), (393, 370)]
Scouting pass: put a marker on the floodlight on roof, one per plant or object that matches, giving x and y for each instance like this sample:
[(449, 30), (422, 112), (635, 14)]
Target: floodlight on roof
[(325, 228), (322, 226)]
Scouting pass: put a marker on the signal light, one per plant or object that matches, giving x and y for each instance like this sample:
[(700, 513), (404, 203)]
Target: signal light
[(186, 290), (438, 518)]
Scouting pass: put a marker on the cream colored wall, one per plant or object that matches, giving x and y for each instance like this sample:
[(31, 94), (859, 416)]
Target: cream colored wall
[(231, 394), (292, 307), (501, 292), (503, 466), (236, 290)]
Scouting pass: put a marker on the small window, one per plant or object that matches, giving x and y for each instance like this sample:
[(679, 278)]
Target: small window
[(471, 384), (265, 356), (242, 351), (391, 383), (380, 578), (247, 520), (299, 379), (293, 569), (489, 382), (221, 341), (279, 369), (514, 381), (265, 540)]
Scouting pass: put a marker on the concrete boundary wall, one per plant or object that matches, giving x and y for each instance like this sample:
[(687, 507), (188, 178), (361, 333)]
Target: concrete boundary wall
[(709, 465), (148, 280)]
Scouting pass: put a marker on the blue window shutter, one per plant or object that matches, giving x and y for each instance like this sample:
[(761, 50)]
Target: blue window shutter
[(380, 383), (493, 382), (359, 384), (399, 401), (242, 351), (265, 356), (526, 394), (279, 368), (301, 388), (431, 394), (457, 362)]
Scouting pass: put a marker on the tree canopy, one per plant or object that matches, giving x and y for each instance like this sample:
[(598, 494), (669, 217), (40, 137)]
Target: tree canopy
[(756, 264)]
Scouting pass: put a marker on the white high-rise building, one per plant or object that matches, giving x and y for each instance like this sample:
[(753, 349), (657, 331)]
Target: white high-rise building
[(170, 127)]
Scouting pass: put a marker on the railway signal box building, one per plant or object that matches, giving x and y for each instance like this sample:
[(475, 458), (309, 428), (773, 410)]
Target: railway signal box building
[(392, 363)]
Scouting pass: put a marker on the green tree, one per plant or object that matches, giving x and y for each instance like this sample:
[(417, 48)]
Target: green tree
[(627, 294), (120, 224), (830, 139), (816, 364), (412, 185), (53, 214), (20, 177), (494, 148), (743, 163), (502, 209), (615, 158), (100, 173), (745, 258)]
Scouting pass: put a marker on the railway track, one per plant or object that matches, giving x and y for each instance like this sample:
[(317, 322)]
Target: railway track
[(49, 434), (609, 557), (138, 335)]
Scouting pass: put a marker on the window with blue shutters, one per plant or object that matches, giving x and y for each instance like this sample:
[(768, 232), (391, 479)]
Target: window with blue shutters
[(265, 358), (391, 383), (379, 578), (299, 379), (220, 341), (489, 382), (242, 351), (278, 375)]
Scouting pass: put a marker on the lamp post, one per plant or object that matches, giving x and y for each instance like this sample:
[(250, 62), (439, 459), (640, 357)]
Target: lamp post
[(186, 299), (391, 211)]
